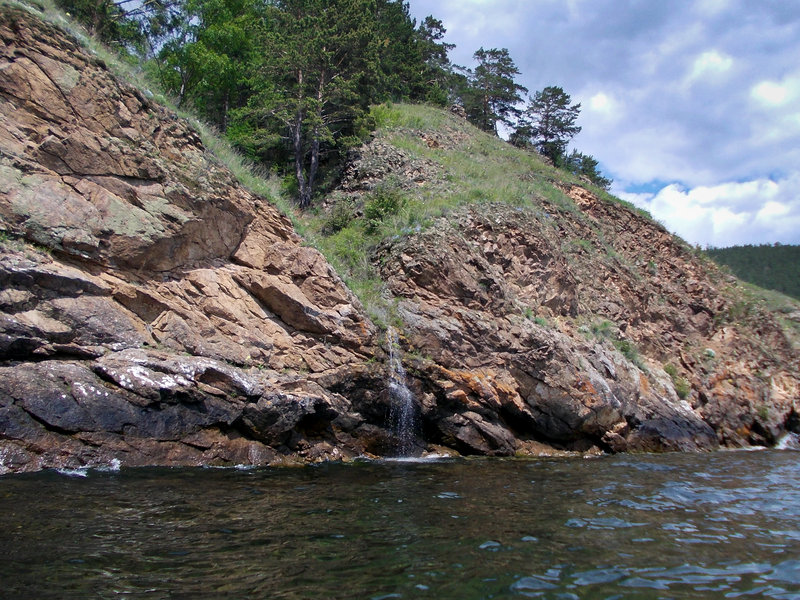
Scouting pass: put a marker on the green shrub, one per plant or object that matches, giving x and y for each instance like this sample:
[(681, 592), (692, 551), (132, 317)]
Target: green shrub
[(682, 388), (681, 385), (603, 329), (340, 217), (350, 248), (627, 349), (385, 200), (739, 311), (582, 244), (289, 186)]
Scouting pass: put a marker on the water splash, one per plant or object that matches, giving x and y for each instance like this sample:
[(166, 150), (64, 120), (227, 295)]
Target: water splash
[(402, 410), (790, 441)]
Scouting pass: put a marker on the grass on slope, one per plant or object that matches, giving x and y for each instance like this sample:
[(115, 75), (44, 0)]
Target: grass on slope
[(470, 167)]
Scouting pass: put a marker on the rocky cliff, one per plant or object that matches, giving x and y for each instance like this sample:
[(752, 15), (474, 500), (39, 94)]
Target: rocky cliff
[(154, 311)]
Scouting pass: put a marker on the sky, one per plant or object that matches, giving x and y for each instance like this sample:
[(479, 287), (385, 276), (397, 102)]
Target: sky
[(692, 107)]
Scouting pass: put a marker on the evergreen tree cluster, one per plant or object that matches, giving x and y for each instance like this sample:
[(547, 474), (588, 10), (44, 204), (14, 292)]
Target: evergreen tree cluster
[(290, 82), (775, 267)]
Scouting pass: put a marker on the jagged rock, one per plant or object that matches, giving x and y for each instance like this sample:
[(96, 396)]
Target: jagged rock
[(154, 252), (458, 111), (464, 286), (385, 162)]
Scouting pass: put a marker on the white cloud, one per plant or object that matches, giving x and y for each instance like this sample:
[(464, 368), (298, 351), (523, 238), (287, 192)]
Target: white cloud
[(772, 210), (776, 116), (758, 211), (710, 64), (603, 107), (770, 93), (602, 103), (661, 56), (709, 8)]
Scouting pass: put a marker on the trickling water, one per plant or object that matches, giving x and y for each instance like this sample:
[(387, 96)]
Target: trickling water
[(402, 411), (790, 441)]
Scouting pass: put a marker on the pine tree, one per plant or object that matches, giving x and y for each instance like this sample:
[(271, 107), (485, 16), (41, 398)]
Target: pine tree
[(438, 71), (548, 123), (311, 78), (399, 72), (585, 165), (492, 94)]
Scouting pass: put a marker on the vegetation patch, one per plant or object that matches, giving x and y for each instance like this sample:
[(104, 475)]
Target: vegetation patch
[(775, 267), (679, 383), (385, 201)]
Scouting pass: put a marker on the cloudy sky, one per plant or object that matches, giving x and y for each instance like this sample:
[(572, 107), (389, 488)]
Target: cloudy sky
[(692, 107)]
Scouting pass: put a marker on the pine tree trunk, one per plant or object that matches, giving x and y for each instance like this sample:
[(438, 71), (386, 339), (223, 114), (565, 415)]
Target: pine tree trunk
[(312, 170), (297, 143), (225, 109)]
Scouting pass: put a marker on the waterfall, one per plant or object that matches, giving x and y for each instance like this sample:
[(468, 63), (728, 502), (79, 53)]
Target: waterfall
[(402, 410)]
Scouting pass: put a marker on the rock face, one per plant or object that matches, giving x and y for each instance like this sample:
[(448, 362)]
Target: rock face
[(164, 315), (531, 338), (154, 312)]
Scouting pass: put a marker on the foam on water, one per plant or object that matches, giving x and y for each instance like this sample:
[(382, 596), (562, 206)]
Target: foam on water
[(428, 458), (113, 466), (79, 472)]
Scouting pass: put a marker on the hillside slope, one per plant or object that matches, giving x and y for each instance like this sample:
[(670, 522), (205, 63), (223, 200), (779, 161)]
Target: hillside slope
[(154, 311), (540, 310)]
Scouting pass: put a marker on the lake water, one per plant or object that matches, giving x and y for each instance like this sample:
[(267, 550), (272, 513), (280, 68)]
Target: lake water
[(718, 525)]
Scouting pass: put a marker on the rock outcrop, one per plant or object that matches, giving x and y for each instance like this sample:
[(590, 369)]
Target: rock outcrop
[(531, 339), (155, 312)]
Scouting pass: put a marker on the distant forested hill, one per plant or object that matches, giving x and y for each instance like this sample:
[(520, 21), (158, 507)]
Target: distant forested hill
[(775, 267)]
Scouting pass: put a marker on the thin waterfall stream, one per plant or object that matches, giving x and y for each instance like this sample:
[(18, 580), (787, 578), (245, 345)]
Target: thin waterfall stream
[(402, 410)]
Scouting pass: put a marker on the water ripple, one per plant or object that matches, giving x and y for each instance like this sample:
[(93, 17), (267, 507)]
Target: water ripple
[(718, 525)]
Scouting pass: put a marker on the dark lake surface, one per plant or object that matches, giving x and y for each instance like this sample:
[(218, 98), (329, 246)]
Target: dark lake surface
[(718, 525)]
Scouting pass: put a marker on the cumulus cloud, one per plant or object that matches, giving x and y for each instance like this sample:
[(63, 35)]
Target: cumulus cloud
[(751, 212), (770, 93), (711, 64), (693, 93)]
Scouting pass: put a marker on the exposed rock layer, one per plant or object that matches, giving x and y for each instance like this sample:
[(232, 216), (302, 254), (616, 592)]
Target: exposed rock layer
[(153, 311), (176, 318), (537, 340)]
